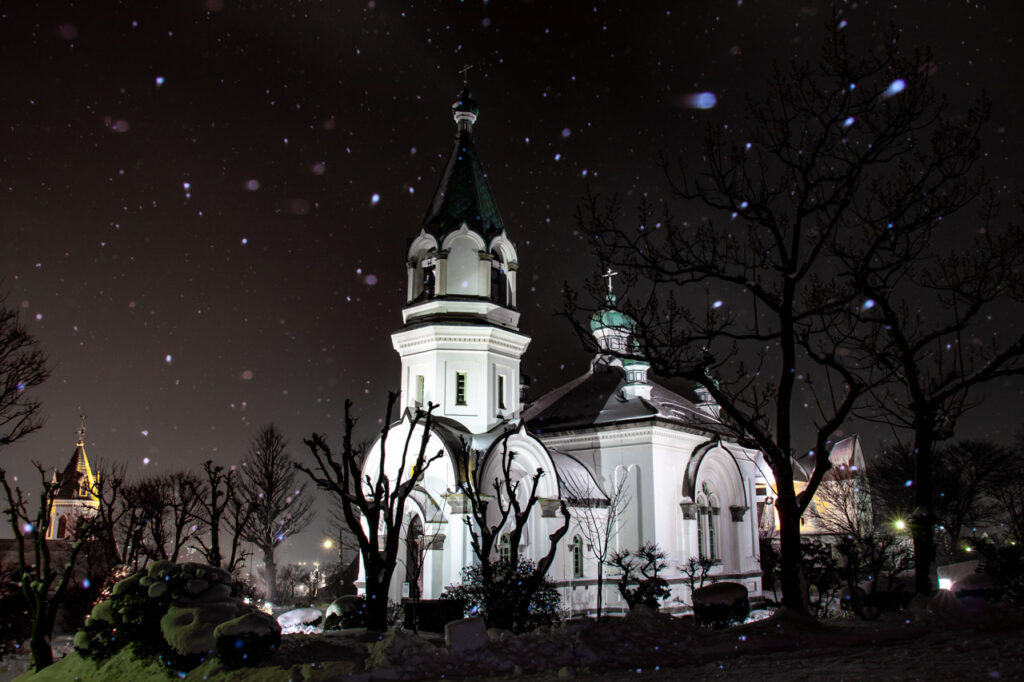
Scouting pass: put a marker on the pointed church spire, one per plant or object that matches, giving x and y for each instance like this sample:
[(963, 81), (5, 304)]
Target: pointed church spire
[(463, 195)]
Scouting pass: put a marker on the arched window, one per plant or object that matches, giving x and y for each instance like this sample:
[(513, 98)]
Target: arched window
[(577, 557), (62, 526), (505, 548), (499, 280), (707, 523), (429, 281)]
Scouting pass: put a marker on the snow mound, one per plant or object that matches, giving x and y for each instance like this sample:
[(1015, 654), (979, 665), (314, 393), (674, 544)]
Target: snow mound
[(299, 620)]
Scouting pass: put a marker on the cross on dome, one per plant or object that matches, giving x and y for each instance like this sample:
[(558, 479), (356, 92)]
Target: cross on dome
[(608, 274), (81, 431)]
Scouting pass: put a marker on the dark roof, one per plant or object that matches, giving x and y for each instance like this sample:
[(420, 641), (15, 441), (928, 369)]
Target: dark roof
[(71, 479), (596, 399), (462, 195)]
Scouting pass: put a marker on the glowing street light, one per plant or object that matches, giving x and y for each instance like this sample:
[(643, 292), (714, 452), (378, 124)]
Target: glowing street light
[(328, 543), (900, 524)]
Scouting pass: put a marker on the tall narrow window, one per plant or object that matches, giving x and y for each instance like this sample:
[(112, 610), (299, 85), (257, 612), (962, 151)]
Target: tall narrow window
[(712, 535), (501, 391), (420, 388), (460, 388), (428, 281), (701, 548), (577, 557), (505, 547)]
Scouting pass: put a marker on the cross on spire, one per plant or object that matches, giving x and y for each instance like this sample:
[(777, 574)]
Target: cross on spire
[(81, 431), (608, 274), (465, 73)]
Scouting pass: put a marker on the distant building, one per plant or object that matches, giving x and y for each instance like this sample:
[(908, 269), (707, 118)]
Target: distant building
[(842, 502), (75, 494), (691, 489)]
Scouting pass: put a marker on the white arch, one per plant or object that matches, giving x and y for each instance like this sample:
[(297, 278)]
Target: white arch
[(423, 243), (505, 248), (462, 233)]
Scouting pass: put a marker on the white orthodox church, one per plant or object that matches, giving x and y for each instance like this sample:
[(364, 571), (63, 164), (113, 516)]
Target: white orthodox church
[(690, 489)]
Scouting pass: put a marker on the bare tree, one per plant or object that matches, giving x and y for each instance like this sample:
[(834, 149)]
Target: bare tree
[(500, 509), (169, 504), (377, 500), (281, 505), (929, 311), (842, 505), (43, 584), (213, 500), (751, 301), (966, 477), (239, 512), (598, 518), (22, 368)]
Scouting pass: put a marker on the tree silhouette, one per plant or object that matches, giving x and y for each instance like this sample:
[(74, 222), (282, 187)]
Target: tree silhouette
[(280, 504), (373, 504), (755, 300)]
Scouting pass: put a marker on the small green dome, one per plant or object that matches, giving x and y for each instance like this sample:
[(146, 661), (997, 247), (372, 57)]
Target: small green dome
[(608, 318)]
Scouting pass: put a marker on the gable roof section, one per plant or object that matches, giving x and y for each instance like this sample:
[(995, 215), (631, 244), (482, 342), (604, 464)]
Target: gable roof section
[(596, 399)]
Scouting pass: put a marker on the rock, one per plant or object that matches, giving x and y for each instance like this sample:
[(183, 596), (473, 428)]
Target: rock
[(347, 604), (465, 635), (719, 593)]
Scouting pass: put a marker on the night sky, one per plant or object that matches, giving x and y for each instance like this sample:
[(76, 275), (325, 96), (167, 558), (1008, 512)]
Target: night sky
[(204, 208)]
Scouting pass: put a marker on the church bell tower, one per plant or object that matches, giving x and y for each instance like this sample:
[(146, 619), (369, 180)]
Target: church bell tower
[(460, 343)]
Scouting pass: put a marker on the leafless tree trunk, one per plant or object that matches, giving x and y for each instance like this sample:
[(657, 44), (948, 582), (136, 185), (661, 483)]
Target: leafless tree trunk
[(598, 521), (377, 500), (282, 507), (213, 500), (756, 300), (509, 516), (22, 368), (42, 584)]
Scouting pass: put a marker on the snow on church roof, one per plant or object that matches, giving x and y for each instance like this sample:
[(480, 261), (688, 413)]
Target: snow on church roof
[(597, 398)]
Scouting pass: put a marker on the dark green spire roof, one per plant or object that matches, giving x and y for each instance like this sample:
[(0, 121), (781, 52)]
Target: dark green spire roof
[(463, 196)]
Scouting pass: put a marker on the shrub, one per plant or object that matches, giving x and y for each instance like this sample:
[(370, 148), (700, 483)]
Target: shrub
[(720, 605), (171, 612), (504, 604), (1002, 562), (639, 582)]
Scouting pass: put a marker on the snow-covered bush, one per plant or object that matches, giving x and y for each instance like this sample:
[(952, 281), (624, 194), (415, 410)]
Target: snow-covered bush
[(506, 605), (720, 605), (171, 612)]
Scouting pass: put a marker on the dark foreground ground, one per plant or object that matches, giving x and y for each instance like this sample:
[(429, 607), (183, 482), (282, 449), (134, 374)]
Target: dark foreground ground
[(936, 639)]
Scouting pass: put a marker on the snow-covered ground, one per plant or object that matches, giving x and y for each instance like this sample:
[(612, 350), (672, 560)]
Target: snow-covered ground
[(937, 639)]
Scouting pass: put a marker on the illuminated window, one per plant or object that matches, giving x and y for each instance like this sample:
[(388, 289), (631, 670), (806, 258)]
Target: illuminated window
[(577, 557), (460, 388), (501, 391), (420, 388)]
